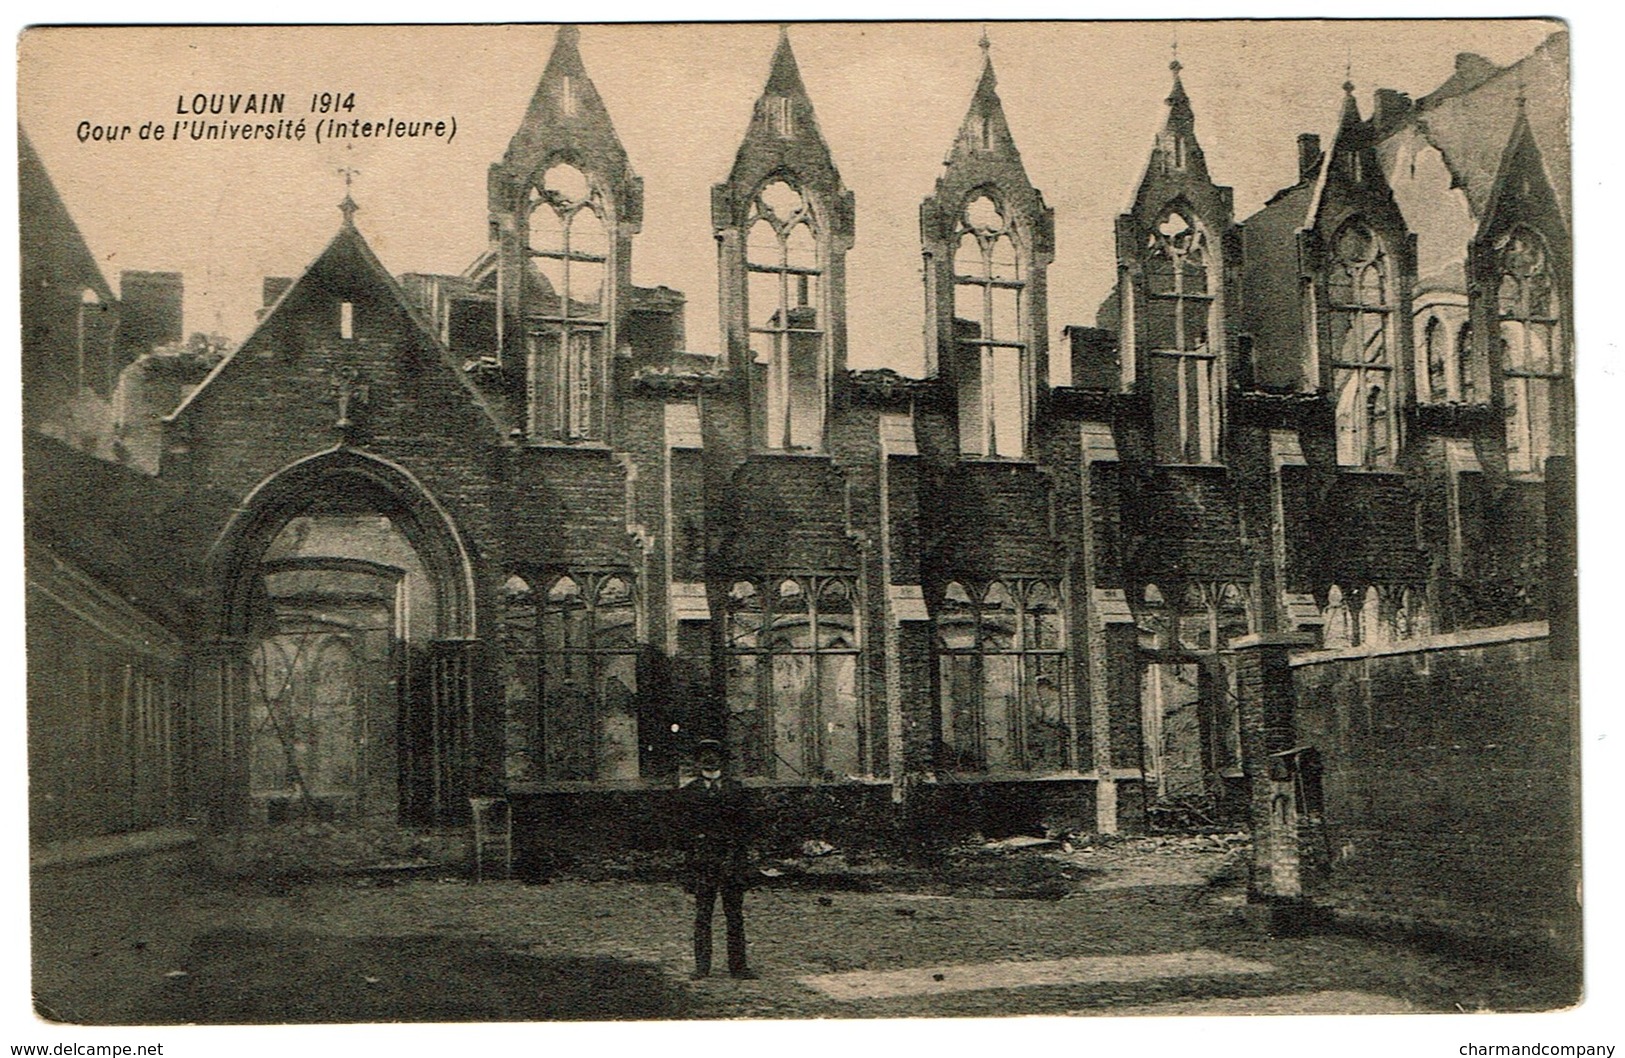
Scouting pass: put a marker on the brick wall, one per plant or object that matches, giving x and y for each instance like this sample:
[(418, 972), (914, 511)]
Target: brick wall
[(1451, 785)]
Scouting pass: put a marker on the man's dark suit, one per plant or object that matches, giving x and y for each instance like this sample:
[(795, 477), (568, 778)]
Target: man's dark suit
[(717, 823)]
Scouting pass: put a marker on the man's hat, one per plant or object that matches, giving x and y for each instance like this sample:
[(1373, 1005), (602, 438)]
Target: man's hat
[(708, 748)]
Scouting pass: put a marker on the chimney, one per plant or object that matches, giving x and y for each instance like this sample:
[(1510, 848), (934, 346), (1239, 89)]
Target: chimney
[(150, 313), (272, 288), (1392, 109), (1308, 156)]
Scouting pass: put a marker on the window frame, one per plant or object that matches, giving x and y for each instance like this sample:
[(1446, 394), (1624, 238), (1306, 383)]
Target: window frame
[(779, 408), (759, 756), (575, 343), (1201, 363), (985, 440), (1521, 381), (1357, 418), (1026, 670), (532, 659)]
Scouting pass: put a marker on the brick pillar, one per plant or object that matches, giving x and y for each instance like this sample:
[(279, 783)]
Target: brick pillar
[(1264, 686), (215, 745)]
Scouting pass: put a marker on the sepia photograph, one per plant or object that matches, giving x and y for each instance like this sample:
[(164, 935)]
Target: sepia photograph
[(820, 520)]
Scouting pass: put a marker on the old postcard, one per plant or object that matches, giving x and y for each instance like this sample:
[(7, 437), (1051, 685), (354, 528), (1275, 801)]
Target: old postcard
[(1028, 518)]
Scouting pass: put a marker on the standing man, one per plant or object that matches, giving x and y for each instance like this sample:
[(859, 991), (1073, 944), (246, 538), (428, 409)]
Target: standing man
[(717, 824)]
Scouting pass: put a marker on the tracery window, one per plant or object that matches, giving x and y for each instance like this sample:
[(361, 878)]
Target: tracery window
[(1359, 293), (784, 276), (1001, 658), (570, 672), (989, 287), (1192, 726), (1179, 310), (1371, 616), (569, 246), (1338, 627), (1532, 349), (793, 695)]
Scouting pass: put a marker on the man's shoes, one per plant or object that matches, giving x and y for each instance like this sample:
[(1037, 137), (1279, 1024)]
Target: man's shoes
[(699, 975), (744, 975)]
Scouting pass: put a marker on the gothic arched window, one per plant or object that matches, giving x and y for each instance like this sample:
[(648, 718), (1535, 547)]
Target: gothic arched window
[(1338, 630), (784, 274), (1435, 347), (1532, 355), (1360, 305), (793, 701), (569, 246), (989, 285), (1001, 658), (1467, 374), (1191, 727), (1179, 308), (570, 666)]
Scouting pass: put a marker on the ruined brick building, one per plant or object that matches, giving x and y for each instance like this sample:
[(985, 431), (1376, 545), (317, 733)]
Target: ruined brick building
[(425, 537)]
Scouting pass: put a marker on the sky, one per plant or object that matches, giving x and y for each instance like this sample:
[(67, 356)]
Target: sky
[(1083, 101)]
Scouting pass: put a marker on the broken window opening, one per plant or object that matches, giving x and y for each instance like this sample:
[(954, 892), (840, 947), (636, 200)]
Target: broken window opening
[(1359, 315), (989, 291), (793, 695), (1533, 360), (783, 294), (1001, 665), (1436, 354), (1179, 321), (570, 678), (568, 291), (1189, 705)]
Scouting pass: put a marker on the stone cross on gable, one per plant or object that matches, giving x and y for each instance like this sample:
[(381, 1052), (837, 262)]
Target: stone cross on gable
[(347, 390), (348, 206)]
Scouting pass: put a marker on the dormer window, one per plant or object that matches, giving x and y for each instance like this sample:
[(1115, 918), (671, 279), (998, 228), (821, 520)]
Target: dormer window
[(989, 286), (1359, 314), (781, 113), (1532, 355), (567, 283), (346, 320), (1179, 152), (568, 96), (783, 298), (984, 133), (1179, 310)]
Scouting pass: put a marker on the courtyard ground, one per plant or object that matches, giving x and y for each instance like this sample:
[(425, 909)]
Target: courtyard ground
[(1136, 927)]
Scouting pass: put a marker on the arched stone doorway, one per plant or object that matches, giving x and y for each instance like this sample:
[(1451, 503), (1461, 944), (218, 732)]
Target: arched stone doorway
[(346, 680)]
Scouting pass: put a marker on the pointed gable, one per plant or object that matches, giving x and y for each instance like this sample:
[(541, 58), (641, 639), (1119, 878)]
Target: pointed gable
[(1351, 178), (1523, 190), (1177, 167), (346, 271), (783, 137), (54, 253), (984, 154), (567, 120)]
